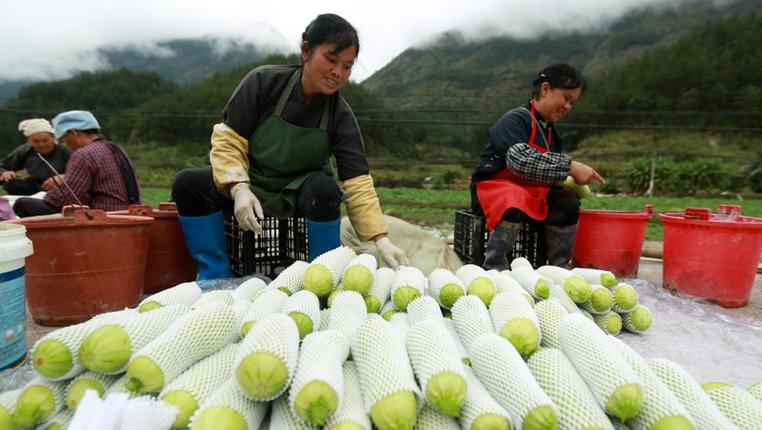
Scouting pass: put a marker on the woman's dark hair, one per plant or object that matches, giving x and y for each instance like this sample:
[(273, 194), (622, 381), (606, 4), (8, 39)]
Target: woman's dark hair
[(331, 28), (559, 75)]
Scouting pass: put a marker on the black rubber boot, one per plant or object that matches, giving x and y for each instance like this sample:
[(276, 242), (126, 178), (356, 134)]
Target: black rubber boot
[(560, 244), (500, 244)]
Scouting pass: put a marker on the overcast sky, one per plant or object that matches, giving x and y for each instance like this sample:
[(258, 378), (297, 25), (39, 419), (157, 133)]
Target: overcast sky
[(52, 39)]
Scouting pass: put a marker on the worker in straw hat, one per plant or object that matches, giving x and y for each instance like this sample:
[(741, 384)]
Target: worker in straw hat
[(39, 140)]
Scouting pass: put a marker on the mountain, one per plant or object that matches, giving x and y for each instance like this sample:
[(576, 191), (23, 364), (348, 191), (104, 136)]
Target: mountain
[(494, 74), (182, 61)]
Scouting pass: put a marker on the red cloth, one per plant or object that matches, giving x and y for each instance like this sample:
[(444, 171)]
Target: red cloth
[(93, 174), (505, 191)]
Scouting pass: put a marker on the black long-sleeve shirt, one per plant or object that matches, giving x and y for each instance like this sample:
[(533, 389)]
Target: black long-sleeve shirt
[(254, 101), (25, 157)]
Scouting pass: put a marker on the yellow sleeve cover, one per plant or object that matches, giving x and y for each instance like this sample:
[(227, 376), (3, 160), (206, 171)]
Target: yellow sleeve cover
[(229, 157), (363, 208)]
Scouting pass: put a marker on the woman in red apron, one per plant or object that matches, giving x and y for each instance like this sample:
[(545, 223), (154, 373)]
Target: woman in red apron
[(518, 169)]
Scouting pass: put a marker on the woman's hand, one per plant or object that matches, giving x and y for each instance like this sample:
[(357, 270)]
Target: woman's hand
[(584, 174), (246, 207), (52, 182), (393, 256), (7, 176)]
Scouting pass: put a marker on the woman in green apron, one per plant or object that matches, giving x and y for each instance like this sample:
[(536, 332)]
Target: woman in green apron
[(271, 156)]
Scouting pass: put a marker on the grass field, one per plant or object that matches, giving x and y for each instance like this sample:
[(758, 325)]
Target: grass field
[(436, 208)]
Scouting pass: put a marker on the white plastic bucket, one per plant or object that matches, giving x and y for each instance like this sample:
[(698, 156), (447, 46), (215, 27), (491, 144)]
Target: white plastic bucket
[(14, 247)]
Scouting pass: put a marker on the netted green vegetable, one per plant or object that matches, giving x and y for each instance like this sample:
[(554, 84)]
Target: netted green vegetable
[(194, 386), (109, 348), (704, 412), (318, 386), (430, 419), (577, 408), (38, 401), (358, 275), (269, 302), (471, 319), (424, 308), (191, 338), (507, 377), (304, 307), (610, 322), (386, 378), (477, 282), (249, 289), (601, 300), (291, 278), (438, 370), (531, 281), (549, 314), (505, 283), (596, 276), (351, 413), (614, 384), (86, 381), (739, 406), (56, 355), (324, 273), (186, 293), (515, 320), (347, 314), (381, 289), (445, 287), (661, 409), (409, 284), (228, 408), (480, 410), (637, 321), (266, 358), (625, 298)]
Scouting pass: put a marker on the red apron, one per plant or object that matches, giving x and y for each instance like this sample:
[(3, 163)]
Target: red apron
[(504, 190)]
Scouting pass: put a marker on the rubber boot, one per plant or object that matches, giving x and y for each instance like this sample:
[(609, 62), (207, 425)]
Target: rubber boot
[(500, 244), (322, 236), (205, 238), (560, 244)]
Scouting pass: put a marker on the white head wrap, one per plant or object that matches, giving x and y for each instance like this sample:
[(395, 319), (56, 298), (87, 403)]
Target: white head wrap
[(36, 125)]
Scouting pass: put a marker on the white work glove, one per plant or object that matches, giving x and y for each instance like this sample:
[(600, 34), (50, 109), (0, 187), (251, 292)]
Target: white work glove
[(246, 207), (393, 256)]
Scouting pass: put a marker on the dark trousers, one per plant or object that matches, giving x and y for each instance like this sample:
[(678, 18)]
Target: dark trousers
[(22, 187), (563, 208), (28, 206), (194, 193)]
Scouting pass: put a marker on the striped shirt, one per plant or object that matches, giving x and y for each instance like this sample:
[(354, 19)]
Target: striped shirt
[(94, 176)]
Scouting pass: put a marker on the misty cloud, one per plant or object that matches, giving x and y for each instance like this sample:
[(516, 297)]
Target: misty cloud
[(42, 39)]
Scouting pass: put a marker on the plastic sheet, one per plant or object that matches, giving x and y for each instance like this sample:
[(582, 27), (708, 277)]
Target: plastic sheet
[(712, 343)]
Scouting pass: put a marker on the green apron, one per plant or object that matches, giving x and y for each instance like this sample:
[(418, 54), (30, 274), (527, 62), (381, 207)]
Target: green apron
[(283, 155)]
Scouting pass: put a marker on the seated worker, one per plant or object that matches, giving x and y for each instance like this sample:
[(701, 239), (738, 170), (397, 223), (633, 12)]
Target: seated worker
[(39, 140), (99, 172), (271, 156), (519, 169)]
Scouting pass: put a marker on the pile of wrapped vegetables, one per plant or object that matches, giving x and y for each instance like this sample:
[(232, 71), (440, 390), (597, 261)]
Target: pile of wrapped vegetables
[(343, 345)]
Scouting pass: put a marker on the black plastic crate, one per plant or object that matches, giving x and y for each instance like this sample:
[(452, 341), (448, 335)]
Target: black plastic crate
[(471, 238), (282, 242)]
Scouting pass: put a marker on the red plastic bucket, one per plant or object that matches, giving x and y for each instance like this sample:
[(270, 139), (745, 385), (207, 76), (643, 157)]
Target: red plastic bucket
[(713, 257), (85, 263), (168, 262), (611, 240)]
